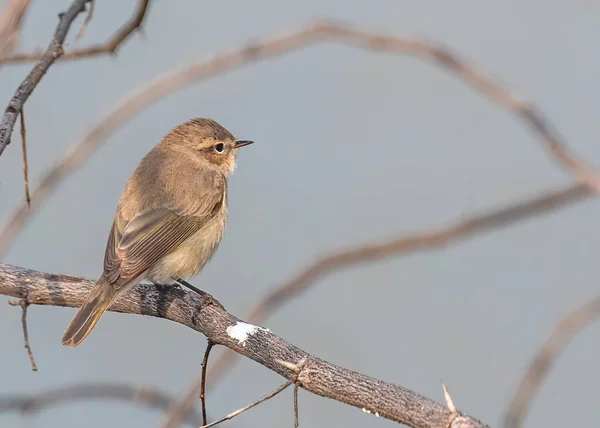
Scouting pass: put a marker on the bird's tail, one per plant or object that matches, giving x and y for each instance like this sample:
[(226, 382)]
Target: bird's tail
[(90, 312)]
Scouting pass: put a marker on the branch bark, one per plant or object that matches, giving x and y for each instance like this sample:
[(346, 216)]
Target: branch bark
[(205, 315), (54, 50)]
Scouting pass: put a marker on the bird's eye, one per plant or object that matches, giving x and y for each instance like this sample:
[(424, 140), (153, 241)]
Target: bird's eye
[(219, 148)]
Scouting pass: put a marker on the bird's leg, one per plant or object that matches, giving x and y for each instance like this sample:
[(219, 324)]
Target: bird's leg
[(163, 288), (208, 299), (190, 286)]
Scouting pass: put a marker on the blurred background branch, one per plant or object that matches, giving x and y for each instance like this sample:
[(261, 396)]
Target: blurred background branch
[(31, 404), (546, 356), (10, 26)]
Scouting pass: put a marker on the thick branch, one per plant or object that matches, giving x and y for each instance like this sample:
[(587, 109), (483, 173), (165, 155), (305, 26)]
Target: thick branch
[(206, 315), (24, 90)]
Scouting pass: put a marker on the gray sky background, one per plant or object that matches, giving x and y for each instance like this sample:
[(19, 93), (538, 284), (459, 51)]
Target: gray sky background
[(350, 146)]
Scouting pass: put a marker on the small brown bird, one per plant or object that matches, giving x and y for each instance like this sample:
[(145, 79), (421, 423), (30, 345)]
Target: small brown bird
[(170, 218)]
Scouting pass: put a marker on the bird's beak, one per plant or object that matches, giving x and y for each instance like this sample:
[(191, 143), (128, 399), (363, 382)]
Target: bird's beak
[(242, 143)]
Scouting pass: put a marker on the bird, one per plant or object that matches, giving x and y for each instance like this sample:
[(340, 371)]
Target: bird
[(170, 218)]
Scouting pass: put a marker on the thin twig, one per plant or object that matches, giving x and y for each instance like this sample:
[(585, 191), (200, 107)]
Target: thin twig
[(25, 164), (10, 26), (296, 405), (30, 404), (24, 304), (249, 406), (203, 382), (54, 50), (107, 48), (396, 246), (87, 21), (540, 367)]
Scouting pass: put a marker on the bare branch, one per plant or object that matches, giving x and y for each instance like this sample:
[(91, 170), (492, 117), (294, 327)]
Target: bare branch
[(206, 315), (54, 50), (25, 163), (396, 246), (295, 405), (248, 407), (109, 47), (29, 404), (24, 305), (12, 20), (540, 367)]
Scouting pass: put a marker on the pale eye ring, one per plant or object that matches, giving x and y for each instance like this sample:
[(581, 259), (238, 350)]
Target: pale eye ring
[(219, 148)]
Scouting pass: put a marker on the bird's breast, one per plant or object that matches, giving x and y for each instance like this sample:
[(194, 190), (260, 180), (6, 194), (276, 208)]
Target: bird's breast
[(192, 255)]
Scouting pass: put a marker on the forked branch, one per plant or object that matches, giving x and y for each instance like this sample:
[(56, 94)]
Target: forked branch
[(54, 50), (107, 48)]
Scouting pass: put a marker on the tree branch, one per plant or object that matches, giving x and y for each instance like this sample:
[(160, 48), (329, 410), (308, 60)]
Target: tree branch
[(206, 315), (24, 305), (28, 404), (54, 50), (109, 47)]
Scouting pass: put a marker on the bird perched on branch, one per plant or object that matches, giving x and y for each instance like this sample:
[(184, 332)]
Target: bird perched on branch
[(170, 218)]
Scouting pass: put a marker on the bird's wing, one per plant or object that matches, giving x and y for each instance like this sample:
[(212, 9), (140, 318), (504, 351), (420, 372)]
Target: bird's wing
[(134, 246)]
